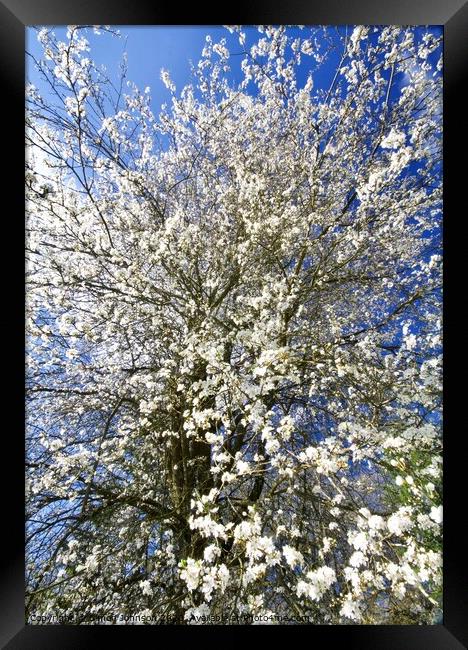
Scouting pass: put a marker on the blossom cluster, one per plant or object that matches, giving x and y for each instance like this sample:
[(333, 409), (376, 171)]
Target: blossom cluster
[(234, 336)]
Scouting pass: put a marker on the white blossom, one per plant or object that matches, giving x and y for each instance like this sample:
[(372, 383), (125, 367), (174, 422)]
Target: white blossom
[(293, 556), (233, 328)]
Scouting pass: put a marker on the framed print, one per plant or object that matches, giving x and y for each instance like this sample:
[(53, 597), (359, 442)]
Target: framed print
[(237, 315)]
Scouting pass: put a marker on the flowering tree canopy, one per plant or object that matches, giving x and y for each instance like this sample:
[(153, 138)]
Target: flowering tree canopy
[(234, 351)]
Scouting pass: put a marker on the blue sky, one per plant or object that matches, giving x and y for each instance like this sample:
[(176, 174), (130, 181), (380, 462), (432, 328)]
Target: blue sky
[(150, 48)]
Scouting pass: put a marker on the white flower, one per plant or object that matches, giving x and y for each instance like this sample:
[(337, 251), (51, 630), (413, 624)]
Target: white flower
[(221, 50), (376, 522), (208, 585), (212, 438), (246, 529), (207, 525), (165, 78), (359, 33), (350, 609), (145, 586), (410, 341), (223, 577), (302, 588), (394, 140), (286, 427), (228, 477), (318, 582), (211, 552), (392, 571), (424, 521), (306, 47), (259, 546), (357, 559), (409, 574), (436, 514), (358, 540), (191, 574), (399, 522), (293, 557), (272, 446), (242, 467)]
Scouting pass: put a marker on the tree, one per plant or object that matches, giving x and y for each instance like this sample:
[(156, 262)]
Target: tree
[(234, 334)]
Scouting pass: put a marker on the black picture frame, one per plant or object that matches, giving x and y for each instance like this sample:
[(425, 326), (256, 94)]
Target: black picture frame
[(15, 15)]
